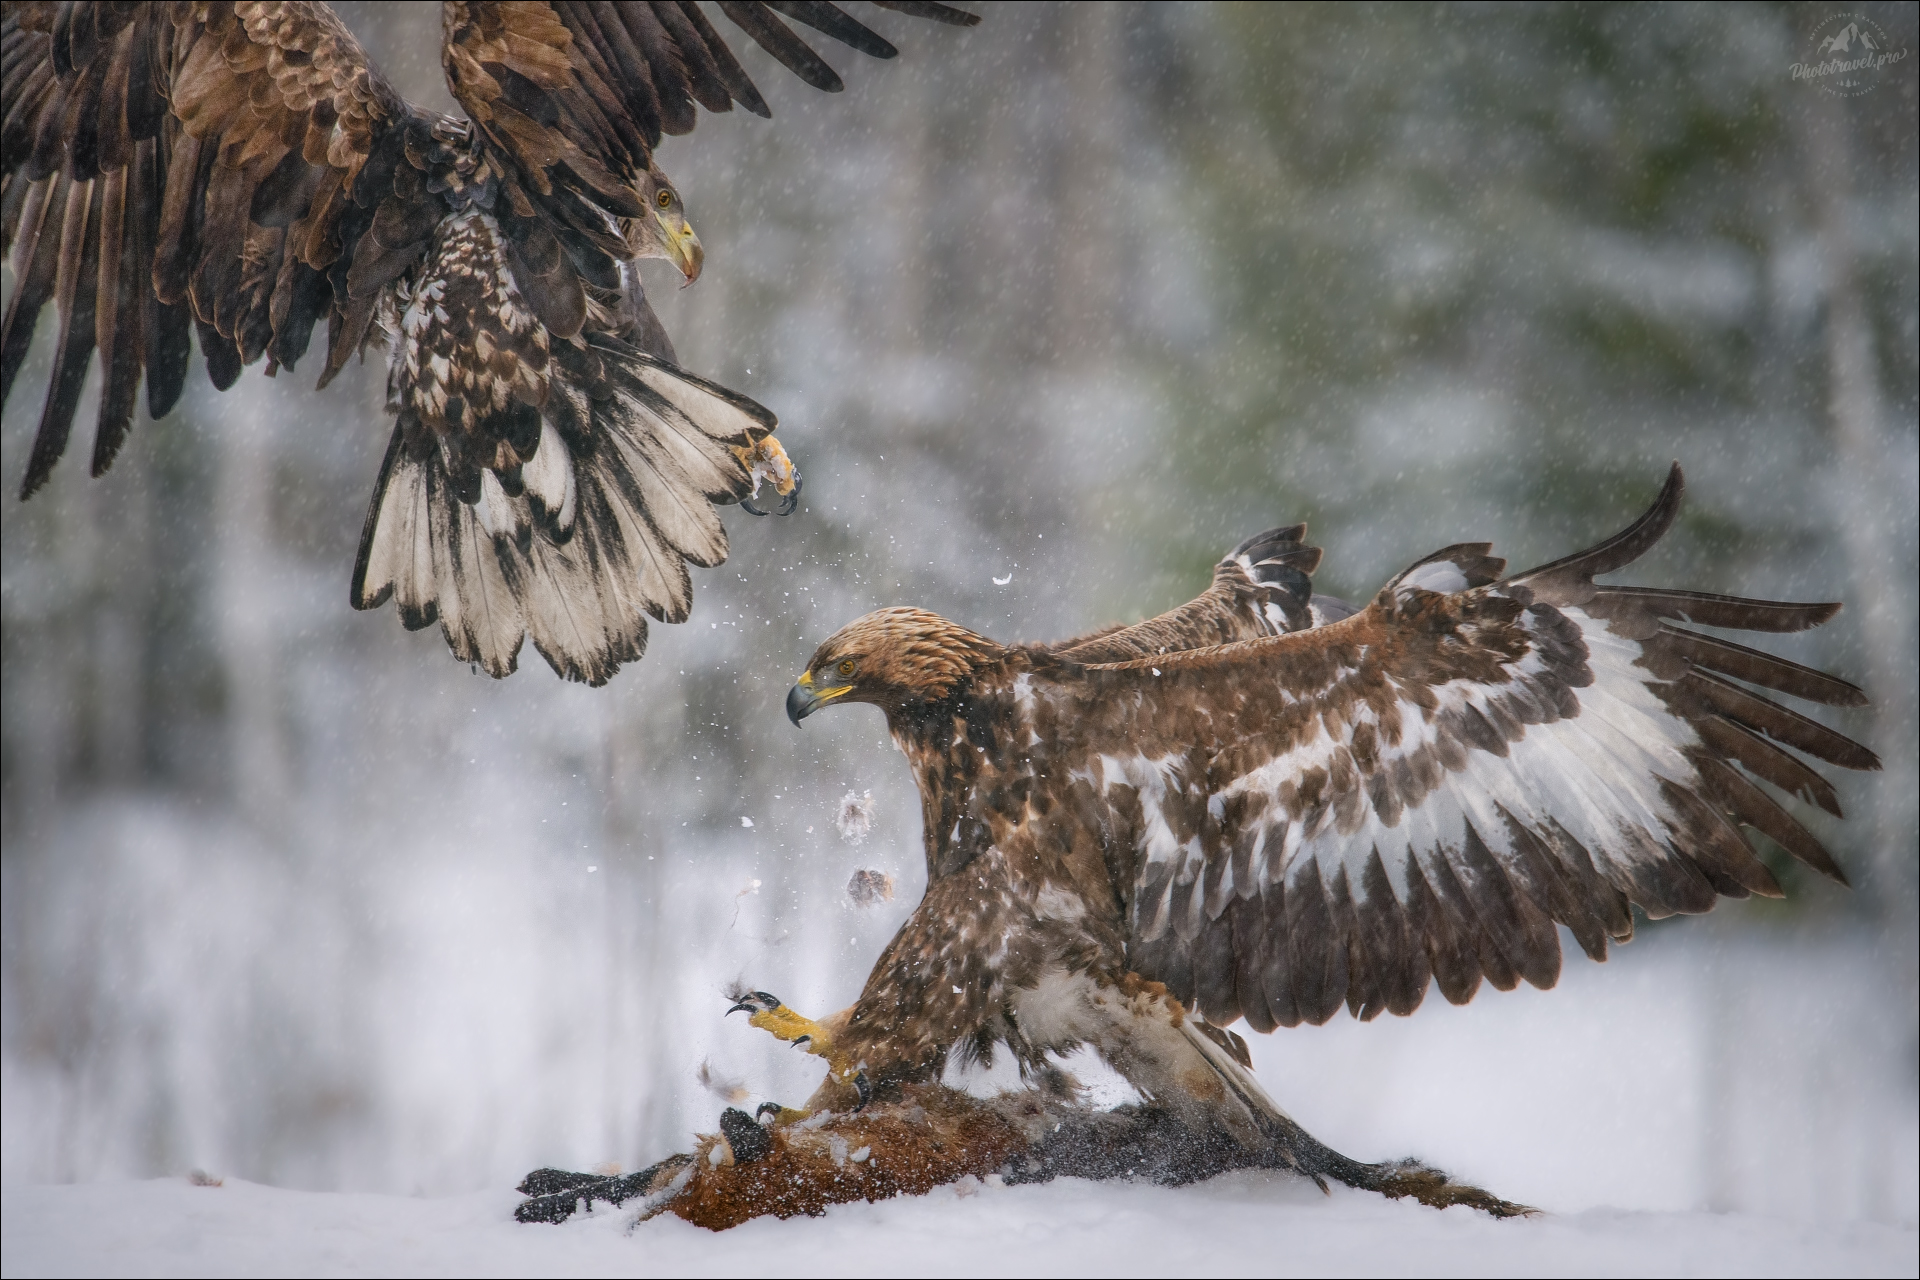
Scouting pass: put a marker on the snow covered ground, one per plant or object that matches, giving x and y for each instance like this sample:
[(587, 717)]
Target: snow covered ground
[(1238, 1225), (1700, 1105)]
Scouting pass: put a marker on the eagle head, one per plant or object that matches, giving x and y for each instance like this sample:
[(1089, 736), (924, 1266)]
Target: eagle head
[(892, 658), (663, 231)]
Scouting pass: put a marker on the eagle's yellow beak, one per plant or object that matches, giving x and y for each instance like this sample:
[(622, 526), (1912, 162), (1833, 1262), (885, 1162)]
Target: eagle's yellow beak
[(683, 247), (804, 698)]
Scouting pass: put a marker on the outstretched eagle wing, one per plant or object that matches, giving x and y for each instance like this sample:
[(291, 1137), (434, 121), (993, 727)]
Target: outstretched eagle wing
[(1425, 789), (1263, 587), (240, 170), (571, 98), (244, 170)]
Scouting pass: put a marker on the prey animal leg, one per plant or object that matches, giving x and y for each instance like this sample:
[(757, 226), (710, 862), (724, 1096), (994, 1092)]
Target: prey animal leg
[(844, 1075)]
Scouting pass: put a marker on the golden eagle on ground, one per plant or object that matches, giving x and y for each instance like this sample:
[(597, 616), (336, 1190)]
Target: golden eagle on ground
[(242, 171), (1266, 806)]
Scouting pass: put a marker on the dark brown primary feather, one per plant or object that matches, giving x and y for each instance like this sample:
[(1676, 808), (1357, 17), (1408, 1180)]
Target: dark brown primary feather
[(571, 98), (226, 158)]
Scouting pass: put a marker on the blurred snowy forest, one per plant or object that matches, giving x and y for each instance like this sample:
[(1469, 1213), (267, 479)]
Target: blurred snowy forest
[(1080, 298)]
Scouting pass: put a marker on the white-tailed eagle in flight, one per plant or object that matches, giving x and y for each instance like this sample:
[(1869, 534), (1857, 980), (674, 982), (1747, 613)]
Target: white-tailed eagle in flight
[(242, 172)]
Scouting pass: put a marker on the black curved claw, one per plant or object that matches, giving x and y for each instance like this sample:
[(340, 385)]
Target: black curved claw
[(863, 1087), (788, 502), (756, 1002), (765, 1109)]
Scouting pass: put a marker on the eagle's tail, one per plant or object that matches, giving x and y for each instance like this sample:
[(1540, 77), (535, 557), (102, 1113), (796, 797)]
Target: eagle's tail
[(1290, 1146), (593, 532)]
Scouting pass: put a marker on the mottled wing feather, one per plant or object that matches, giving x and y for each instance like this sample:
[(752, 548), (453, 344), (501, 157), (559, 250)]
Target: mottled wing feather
[(1262, 587), (572, 97), (1424, 790), (239, 167)]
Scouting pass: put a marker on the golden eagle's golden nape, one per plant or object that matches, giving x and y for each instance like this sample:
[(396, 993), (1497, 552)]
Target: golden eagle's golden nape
[(893, 659)]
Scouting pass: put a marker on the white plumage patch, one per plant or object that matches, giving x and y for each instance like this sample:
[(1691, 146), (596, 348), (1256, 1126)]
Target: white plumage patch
[(1595, 775), (548, 476)]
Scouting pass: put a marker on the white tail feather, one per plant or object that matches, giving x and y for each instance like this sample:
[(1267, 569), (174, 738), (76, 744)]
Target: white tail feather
[(707, 463), (683, 516), (619, 498), (390, 544), (723, 416), (501, 516), (1238, 1079), (396, 555), (548, 476), (478, 615)]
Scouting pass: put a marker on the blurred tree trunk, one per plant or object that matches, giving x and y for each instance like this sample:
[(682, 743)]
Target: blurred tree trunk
[(246, 600), (1086, 208), (122, 510), (1867, 509), (908, 158)]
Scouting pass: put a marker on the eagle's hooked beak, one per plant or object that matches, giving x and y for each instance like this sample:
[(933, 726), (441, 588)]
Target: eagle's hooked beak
[(683, 247), (804, 699)]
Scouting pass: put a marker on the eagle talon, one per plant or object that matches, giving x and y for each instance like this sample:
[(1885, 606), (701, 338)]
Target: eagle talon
[(756, 1002), (767, 1013), (789, 501)]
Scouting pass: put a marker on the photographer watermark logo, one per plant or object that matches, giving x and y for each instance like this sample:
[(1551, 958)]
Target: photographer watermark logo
[(1848, 54)]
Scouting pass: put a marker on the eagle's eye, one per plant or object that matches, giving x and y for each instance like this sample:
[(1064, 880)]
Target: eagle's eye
[(664, 199), (846, 667)]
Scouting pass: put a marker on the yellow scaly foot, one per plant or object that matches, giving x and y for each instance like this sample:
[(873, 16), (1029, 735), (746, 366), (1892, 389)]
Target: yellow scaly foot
[(766, 460), (767, 1013)]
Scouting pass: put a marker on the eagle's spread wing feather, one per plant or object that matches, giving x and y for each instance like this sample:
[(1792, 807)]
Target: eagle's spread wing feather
[(572, 98), (1423, 790), (1262, 587), (241, 170)]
